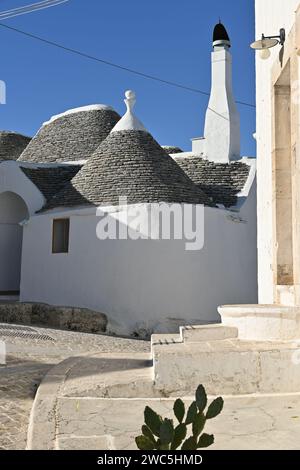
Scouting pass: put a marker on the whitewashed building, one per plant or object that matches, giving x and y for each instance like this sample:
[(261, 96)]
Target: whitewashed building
[(277, 114), (88, 158), (256, 348)]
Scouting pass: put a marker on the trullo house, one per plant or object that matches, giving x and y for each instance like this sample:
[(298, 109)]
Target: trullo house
[(83, 167)]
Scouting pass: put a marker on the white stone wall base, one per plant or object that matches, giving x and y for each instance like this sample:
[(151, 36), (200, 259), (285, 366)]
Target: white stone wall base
[(263, 322), (255, 350), (286, 295), (231, 367)]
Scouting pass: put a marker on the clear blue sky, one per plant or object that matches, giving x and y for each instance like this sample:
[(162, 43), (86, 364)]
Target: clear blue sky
[(171, 39)]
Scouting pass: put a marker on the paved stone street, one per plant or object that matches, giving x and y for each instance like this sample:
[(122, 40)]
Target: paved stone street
[(31, 352), (246, 423)]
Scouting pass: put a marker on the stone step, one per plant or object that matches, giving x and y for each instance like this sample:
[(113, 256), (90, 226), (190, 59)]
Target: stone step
[(231, 367), (218, 332), (165, 339), (82, 379), (111, 375), (263, 322)]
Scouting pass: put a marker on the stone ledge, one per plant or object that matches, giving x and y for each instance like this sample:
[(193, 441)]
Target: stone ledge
[(65, 318), (263, 322), (42, 422), (199, 333), (231, 367)]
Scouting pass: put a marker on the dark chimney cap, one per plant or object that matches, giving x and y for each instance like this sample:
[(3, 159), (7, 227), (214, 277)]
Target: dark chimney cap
[(220, 34)]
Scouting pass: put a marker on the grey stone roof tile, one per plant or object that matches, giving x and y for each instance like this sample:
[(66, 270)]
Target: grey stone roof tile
[(51, 180), (222, 182), (132, 164), (171, 150), (12, 145), (70, 137)]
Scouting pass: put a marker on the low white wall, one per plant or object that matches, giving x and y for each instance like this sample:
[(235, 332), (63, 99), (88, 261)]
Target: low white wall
[(145, 283)]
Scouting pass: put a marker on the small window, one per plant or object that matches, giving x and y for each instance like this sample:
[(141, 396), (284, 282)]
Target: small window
[(60, 235)]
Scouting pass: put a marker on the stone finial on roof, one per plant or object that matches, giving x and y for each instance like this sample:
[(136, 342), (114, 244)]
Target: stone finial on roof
[(129, 122)]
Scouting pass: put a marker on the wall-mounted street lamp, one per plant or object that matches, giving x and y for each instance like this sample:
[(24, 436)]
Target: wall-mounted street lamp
[(267, 42)]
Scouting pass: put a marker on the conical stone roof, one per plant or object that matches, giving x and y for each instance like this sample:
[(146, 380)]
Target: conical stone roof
[(129, 163), (71, 136), (12, 145)]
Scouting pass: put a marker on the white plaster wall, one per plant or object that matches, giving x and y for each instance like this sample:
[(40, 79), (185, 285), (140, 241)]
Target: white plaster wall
[(271, 15), (145, 283)]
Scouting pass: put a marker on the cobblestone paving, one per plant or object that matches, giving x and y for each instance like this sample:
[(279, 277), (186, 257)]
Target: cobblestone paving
[(28, 360)]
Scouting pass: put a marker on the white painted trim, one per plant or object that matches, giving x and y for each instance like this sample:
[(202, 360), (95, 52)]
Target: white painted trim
[(184, 155), (82, 211), (251, 162)]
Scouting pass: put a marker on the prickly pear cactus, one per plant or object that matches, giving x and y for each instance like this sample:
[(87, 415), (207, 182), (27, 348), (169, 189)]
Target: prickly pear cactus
[(163, 434)]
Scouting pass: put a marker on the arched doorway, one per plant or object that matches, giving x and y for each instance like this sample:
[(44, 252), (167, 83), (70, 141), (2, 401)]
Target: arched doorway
[(13, 210)]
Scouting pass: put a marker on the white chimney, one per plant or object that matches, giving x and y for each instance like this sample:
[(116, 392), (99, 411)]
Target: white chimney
[(221, 142)]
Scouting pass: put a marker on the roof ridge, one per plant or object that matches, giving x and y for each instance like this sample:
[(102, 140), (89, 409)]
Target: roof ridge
[(81, 109)]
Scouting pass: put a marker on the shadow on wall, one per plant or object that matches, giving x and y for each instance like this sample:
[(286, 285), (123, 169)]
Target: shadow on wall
[(13, 211)]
